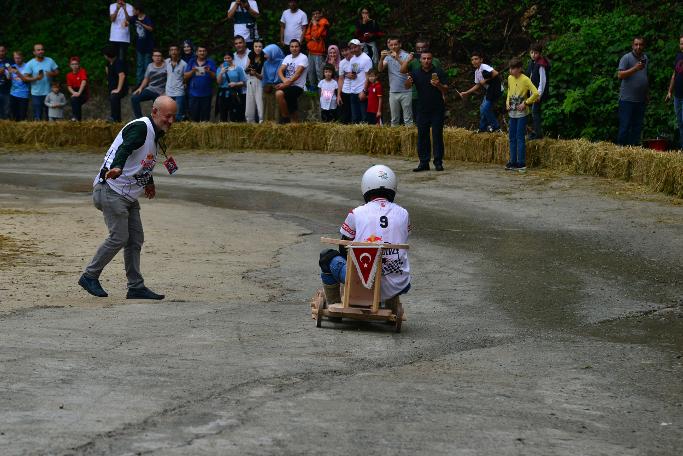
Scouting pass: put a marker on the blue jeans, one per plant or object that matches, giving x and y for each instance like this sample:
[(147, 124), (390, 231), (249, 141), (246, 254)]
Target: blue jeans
[(136, 99), (358, 108), (142, 60), (38, 106), (487, 118), (337, 272), (180, 102), (631, 119), (517, 141), (200, 109), (425, 121), (678, 109)]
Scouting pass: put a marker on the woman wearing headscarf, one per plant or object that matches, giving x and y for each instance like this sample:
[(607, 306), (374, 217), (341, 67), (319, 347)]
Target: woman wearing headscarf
[(187, 51), (333, 58), (274, 57)]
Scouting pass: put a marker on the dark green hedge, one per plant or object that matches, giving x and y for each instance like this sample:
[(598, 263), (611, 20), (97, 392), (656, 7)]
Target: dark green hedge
[(585, 40)]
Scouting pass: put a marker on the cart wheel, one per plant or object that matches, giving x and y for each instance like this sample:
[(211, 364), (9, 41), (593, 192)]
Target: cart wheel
[(399, 317), (321, 305)]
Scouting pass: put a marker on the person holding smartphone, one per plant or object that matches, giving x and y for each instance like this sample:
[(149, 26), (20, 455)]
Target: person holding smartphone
[(632, 93), (39, 71), (431, 84), (200, 75), (244, 13)]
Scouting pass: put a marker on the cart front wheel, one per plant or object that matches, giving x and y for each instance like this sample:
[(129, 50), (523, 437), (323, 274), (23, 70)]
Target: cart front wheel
[(319, 319), (399, 318)]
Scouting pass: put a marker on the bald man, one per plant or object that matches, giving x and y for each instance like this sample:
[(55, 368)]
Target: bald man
[(124, 176)]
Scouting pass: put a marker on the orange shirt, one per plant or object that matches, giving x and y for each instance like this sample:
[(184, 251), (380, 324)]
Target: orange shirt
[(315, 37)]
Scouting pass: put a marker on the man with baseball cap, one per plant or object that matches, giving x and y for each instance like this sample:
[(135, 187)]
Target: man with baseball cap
[(352, 80)]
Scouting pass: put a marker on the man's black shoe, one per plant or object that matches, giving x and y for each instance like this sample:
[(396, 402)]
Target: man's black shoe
[(421, 167), (438, 167), (142, 293), (92, 286)]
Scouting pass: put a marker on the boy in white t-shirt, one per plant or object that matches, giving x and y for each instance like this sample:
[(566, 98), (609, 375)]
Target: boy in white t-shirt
[(487, 117), (328, 95), (292, 73), (378, 220)]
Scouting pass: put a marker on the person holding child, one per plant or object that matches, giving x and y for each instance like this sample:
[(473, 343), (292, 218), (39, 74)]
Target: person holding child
[(517, 103)]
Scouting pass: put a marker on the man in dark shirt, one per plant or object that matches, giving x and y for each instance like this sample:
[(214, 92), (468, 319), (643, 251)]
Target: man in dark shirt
[(144, 41), (676, 89), (5, 82), (431, 84), (116, 77)]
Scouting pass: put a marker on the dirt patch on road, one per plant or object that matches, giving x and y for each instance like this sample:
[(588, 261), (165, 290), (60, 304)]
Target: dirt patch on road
[(191, 252)]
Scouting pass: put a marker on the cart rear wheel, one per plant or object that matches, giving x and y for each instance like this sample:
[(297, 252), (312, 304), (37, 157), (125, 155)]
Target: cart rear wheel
[(399, 318), (322, 304)]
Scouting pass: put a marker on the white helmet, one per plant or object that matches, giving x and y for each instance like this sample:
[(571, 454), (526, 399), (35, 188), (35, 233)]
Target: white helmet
[(379, 180)]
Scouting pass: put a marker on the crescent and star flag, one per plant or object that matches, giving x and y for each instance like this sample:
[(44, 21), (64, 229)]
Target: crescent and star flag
[(366, 260)]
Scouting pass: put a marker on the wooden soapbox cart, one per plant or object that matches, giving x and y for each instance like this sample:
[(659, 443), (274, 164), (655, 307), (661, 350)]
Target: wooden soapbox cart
[(361, 292)]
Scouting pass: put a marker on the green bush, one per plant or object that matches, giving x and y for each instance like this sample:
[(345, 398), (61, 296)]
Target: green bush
[(584, 83)]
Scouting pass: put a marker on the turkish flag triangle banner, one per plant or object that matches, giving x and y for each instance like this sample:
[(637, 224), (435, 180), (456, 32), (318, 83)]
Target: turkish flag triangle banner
[(366, 260)]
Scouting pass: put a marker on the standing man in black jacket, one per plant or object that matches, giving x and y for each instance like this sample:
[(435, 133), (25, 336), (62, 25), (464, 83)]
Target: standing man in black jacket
[(431, 84)]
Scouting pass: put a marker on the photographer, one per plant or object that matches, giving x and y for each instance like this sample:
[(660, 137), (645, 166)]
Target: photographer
[(633, 93), (400, 98), (244, 14)]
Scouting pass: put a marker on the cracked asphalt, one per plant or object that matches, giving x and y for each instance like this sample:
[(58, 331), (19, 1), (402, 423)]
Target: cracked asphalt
[(545, 316)]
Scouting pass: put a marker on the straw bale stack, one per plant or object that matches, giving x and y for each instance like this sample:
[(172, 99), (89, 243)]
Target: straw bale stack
[(660, 171)]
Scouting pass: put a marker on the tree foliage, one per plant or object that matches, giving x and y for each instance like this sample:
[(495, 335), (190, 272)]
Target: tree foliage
[(584, 39)]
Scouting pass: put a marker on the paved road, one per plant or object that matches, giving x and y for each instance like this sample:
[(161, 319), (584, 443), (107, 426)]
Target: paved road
[(545, 319)]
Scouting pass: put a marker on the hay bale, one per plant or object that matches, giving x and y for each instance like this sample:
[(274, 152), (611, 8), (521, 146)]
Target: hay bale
[(662, 172)]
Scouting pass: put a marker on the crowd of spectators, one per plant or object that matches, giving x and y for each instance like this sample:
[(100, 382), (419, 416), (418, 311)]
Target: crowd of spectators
[(256, 79)]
